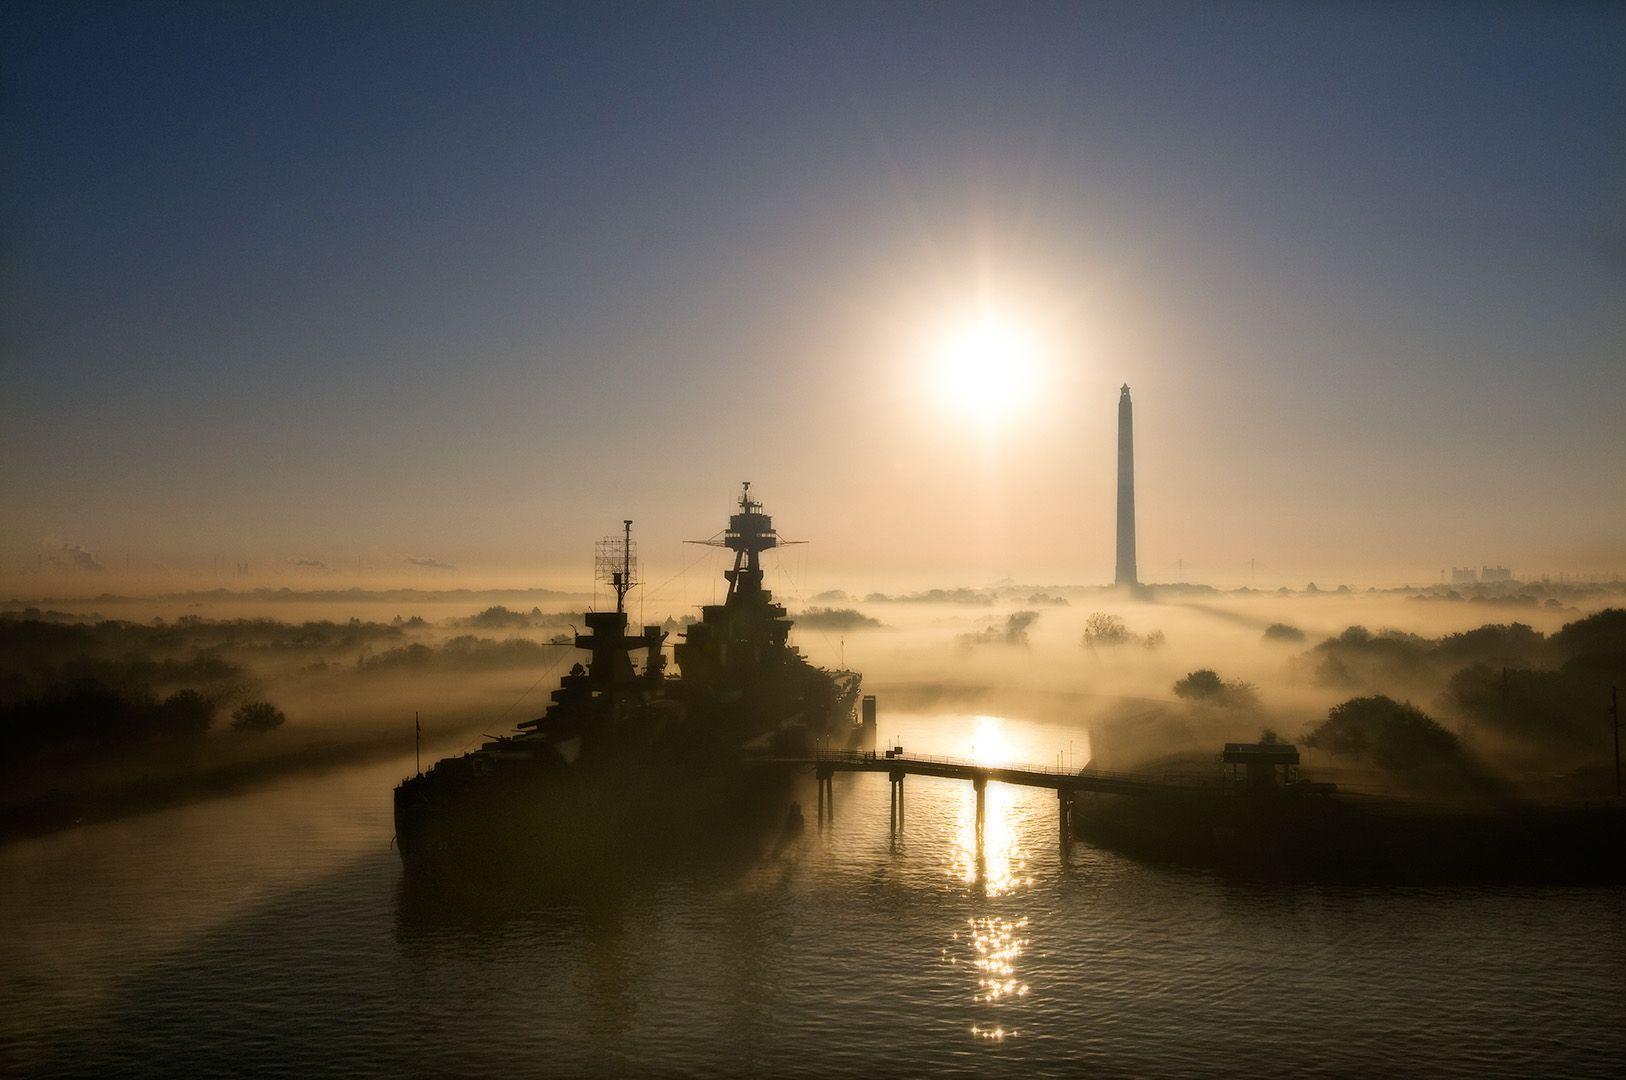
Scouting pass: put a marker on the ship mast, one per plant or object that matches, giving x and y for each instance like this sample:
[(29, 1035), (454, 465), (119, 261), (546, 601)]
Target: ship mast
[(750, 532), (612, 562), (623, 582)]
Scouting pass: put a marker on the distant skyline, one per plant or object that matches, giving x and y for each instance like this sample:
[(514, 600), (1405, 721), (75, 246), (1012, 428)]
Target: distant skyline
[(453, 290)]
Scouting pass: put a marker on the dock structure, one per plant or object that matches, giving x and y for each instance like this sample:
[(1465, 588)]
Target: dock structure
[(897, 765)]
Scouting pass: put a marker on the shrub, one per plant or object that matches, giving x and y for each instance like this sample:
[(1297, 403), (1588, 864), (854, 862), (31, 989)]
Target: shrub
[(1386, 733), (87, 716), (497, 617), (1601, 633), (1358, 657), (1103, 629), (1109, 630), (1014, 631), (257, 716), (1205, 687), (1203, 684), (1561, 712), (185, 714), (824, 618), (463, 653)]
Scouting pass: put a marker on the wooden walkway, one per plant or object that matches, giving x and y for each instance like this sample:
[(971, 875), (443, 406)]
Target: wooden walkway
[(897, 765), (1025, 775)]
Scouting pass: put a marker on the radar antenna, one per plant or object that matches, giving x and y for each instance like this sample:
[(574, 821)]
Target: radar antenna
[(615, 561)]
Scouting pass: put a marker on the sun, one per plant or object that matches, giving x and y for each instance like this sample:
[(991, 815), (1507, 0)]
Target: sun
[(989, 742), (986, 367)]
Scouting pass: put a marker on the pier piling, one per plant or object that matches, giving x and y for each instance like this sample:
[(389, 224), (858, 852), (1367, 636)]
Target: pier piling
[(1064, 798), (980, 783), (895, 779)]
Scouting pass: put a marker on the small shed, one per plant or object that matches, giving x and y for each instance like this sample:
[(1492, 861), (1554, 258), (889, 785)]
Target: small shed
[(1261, 760)]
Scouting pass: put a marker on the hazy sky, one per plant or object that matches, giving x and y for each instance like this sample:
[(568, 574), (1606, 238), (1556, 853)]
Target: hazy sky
[(472, 283)]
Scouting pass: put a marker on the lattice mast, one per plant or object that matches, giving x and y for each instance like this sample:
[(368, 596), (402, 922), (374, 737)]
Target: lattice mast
[(615, 560)]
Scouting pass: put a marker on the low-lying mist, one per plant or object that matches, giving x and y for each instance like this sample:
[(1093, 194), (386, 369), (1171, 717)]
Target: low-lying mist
[(1453, 689), (99, 717), (1422, 691)]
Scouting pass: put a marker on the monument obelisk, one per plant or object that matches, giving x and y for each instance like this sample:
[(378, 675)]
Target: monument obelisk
[(1126, 489)]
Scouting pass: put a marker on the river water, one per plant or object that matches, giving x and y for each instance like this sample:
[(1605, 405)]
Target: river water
[(271, 934)]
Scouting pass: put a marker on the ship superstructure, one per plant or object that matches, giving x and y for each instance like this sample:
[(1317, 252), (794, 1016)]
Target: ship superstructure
[(742, 643), (620, 733)]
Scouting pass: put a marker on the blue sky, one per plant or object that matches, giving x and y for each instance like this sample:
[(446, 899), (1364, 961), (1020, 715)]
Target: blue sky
[(475, 282)]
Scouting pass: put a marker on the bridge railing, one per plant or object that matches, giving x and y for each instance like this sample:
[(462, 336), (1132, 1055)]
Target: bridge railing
[(880, 758)]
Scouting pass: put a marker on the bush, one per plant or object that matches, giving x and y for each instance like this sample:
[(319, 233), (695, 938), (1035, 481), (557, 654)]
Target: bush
[(1358, 658), (257, 716), (1385, 733), (464, 653), (1109, 630), (1205, 687), (1492, 643), (1283, 632), (82, 713), (87, 716), (1103, 629), (1562, 712), (497, 617), (1203, 684), (824, 618), (185, 714), (1014, 631), (1603, 633), (1361, 659)]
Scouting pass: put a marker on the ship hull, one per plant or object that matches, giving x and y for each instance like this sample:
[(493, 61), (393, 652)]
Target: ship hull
[(572, 825)]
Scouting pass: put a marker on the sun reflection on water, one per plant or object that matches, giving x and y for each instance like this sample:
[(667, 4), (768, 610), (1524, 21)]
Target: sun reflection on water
[(998, 865), (997, 944), (994, 865), (991, 945)]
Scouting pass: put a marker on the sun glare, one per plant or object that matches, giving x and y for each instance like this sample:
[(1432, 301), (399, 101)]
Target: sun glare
[(989, 743), (987, 367)]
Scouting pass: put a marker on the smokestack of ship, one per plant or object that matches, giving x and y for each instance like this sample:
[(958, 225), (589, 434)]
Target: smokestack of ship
[(1126, 489)]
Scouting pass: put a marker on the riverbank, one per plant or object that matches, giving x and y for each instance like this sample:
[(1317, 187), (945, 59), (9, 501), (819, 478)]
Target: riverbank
[(176, 776), (1348, 838)]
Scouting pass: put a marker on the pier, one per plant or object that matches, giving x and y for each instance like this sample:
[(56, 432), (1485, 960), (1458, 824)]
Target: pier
[(898, 765)]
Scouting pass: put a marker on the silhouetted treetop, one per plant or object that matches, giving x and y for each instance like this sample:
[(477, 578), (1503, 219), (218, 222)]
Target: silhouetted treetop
[(1386, 733), (257, 716), (1599, 634), (1205, 687)]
